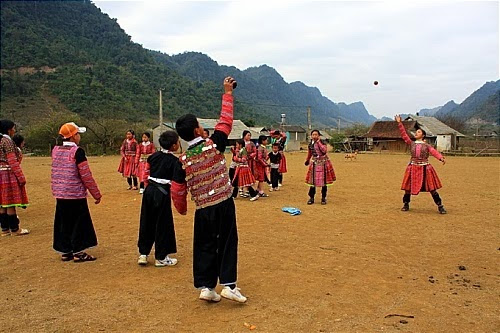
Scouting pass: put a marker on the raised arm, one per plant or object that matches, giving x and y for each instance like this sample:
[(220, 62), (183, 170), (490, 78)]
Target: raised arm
[(225, 123)]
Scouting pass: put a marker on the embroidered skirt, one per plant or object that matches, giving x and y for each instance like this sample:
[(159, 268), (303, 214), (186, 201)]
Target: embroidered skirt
[(320, 173), (420, 178), (11, 193), (282, 167), (259, 172), (127, 166), (244, 176)]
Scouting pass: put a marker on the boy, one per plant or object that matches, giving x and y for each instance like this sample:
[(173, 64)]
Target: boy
[(275, 159), (157, 223), (71, 178), (205, 172)]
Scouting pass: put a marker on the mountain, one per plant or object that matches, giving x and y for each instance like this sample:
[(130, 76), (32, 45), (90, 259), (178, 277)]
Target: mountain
[(429, 112), (482, 104), (78, 58), (265, 89)]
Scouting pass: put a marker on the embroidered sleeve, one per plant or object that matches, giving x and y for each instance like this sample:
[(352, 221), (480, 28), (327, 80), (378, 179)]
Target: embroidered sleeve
[(179, 196), (225, 123), (153, 148), (147, 172), (137, 153), (404, 135), (321, 147), (122, 148), (435, 153), (88, 180), (15, 167)]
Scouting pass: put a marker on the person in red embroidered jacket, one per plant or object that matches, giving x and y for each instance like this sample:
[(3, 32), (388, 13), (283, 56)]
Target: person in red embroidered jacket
[(146, 148), (260, 167), (320, 172), (71, 178), (204, 169), (243, 176), (129, 164), (12, 182), (420, 176)]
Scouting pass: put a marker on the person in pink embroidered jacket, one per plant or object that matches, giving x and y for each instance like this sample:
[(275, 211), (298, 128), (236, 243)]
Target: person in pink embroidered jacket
[(71, 178), (420, 176)]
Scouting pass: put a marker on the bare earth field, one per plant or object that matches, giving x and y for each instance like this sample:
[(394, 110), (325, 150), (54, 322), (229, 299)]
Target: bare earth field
[(343, 267)]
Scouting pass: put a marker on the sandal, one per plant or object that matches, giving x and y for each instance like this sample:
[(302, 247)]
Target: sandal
[(83, 256), (20, 232), (67, 257), (5, 233), (129, 188), (134, 188)]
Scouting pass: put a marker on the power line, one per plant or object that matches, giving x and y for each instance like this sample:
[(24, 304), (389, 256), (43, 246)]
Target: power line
[(275, 105)]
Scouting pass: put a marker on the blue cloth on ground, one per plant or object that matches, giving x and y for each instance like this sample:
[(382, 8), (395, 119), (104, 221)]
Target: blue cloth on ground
[(292, 210)]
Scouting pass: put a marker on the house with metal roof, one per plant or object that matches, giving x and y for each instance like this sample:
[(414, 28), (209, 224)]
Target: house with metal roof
[(443, 137)]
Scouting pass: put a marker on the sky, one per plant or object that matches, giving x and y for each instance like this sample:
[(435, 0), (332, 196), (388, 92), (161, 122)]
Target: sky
[(423, 54)]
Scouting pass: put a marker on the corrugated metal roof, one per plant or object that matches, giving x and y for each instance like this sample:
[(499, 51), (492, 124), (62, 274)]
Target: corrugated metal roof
[(433, 126)]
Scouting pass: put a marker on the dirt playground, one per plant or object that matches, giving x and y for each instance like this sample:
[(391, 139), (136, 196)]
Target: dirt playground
[(358, 264)]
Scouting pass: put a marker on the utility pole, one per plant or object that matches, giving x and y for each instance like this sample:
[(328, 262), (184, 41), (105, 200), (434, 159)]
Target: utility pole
[(161, 112), (338, 126), (309, 126)]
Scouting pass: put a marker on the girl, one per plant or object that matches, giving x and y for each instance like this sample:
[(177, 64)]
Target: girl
[(243, 176), (420, 176), (320, 172), (130, 159), (260, 167), (12, 182), (232, 170), (250, 149), (280, 139), (146, 148), (19, 142)]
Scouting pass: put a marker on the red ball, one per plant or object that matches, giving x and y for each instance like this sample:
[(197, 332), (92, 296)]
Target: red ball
[(375, 82)]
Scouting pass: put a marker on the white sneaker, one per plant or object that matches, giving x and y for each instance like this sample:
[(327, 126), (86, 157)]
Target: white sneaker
[(141, 191), (143, 259), (255, 198), (233, 294), (208, 294), (280, 185), (166, 262)]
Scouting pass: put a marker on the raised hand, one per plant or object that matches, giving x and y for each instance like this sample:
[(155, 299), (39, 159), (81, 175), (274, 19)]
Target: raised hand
[(397, 118), (229, 85)]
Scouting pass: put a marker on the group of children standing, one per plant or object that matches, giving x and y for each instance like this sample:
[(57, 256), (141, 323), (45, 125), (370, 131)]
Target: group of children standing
[(165, 178)]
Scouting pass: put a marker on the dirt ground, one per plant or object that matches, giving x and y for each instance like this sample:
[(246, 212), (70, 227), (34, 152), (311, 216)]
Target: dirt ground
[(344, 267)]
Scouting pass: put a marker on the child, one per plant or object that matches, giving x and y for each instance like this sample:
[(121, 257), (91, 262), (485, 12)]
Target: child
[(19, 142), (204, 168), (420, 176), (12, 182), (275, 159), (157, 223), (146, 148), (243, 177), (206, 134), (129, 163), (280, 139), (232, 168), (320, 172), (71, 179), (260, 167)]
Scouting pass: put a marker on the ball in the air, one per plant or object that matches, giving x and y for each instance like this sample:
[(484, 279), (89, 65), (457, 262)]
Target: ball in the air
[(375, 83)]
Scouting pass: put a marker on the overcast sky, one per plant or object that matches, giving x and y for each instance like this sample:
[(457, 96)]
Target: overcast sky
[(422, 53)]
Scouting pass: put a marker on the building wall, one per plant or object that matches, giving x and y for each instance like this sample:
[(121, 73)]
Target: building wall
[(293, 140), (444, 142)]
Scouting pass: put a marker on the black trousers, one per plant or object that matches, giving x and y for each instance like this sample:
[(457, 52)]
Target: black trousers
[(234, 182), (157, 223), (73, 228), (215, 247), (9, 222), (312, 191), (275, 177), (130, 179)]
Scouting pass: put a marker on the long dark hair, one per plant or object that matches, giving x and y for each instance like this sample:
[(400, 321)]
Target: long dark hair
[(245, 132), (6, 125)]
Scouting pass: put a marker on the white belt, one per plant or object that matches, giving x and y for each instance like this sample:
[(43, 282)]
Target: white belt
[(5, 168), (160, 180)]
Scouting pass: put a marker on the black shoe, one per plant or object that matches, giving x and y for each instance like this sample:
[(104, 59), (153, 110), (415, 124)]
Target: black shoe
[(406, 207), (323, 201), (310, 201), (441, 209)]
